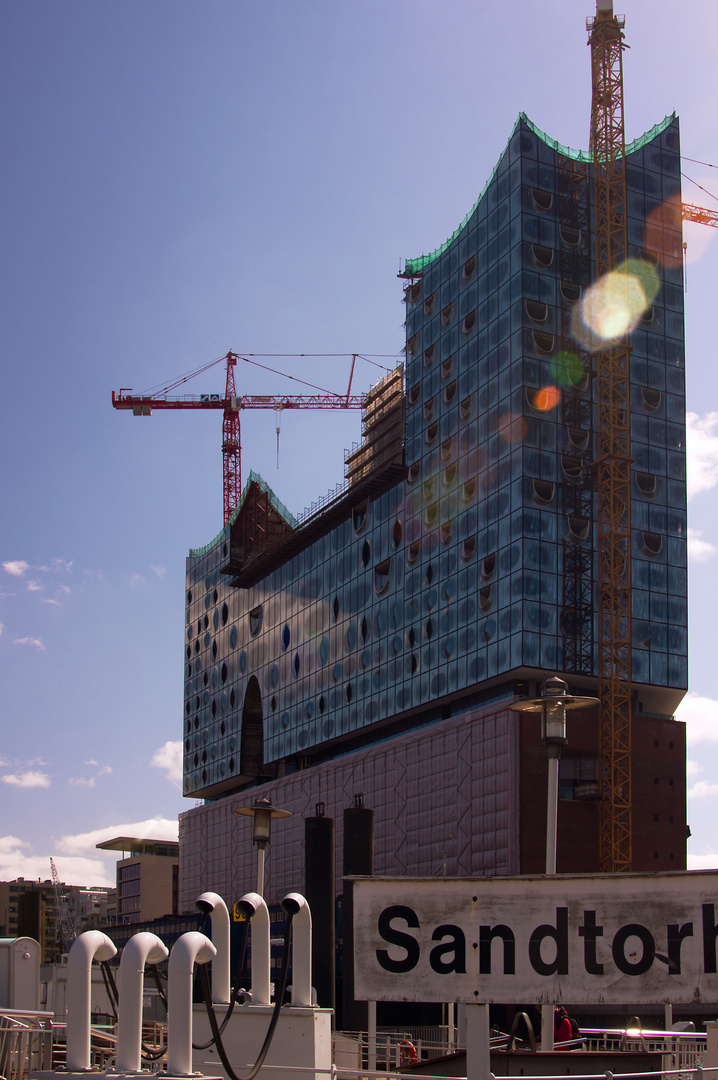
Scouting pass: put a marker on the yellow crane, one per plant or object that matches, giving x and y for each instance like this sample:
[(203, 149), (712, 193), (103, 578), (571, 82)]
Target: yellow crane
[(613, 459)]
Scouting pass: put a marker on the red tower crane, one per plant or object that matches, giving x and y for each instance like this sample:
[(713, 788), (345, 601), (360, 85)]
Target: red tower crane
[(231, 405)]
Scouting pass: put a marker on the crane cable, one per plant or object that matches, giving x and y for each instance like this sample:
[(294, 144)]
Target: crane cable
[(182, 379), (705, 190)]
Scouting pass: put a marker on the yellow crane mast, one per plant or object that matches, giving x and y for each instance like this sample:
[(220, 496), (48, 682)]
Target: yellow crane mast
[(613, 459)]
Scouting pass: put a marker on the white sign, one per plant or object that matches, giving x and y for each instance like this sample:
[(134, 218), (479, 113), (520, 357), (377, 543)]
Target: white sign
[(620, 939)]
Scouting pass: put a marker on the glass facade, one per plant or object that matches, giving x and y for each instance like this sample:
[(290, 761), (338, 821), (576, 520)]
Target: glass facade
[(480, 564)]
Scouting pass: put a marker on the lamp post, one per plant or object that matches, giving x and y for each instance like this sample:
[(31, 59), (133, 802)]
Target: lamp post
[(262, 813), (552, 705)]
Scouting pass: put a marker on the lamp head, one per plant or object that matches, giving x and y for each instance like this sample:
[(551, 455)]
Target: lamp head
[(555, 687), (262, 813)]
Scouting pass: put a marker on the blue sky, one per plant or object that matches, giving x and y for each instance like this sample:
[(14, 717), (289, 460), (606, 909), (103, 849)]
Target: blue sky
[(183, 178)]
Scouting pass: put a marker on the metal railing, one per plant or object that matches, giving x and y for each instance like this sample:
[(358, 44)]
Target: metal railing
[(25, 1043), (34, 1042), (681, 1050), (394, 1048)]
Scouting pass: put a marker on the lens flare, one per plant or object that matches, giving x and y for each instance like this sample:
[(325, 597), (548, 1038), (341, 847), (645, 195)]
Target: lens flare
[(546, 399), (512, 427), (567, 369), (647, 274), (612, 306), (664, 232)]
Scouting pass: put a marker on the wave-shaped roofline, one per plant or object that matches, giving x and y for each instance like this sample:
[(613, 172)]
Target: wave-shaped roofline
[(196, 553), (413, 267)]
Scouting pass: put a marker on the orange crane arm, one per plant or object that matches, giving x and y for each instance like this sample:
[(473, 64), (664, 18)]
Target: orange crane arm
[(700, 215)]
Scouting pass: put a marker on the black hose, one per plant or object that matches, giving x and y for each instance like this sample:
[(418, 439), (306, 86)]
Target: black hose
[(151, 1053), (279, 998), (110, 986), (237, 991), (148, 1052), (236, 994), (156, 978)]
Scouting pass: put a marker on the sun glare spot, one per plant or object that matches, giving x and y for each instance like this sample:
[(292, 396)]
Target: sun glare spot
[(612, 306), (546, 399), (566, 368), (512, 427), (664, 232)]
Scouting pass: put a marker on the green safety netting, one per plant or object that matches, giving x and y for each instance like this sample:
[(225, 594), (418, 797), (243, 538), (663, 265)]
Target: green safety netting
[(254, 478), (413, 267)]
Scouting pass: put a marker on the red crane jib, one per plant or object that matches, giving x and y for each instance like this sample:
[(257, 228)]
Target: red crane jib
[(135, 402), (231, 405)]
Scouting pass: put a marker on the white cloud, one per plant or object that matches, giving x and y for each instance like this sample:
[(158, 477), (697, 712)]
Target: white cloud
[(11, 843), (35, 641), (700, 715), (1, 628), (702, 789), (151, 829), (169, 758), (16, 567), (701, 452), (61, 591), (83, 871), (159, 570), (58, 566), (34, 586), (29, 779), (16, 861), (693, 768), (90, 781), (703, 862), (699, 550)]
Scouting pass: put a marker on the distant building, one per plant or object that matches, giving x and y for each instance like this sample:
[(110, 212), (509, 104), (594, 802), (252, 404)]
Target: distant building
[(29, 909), (89, 908), (147, 877)]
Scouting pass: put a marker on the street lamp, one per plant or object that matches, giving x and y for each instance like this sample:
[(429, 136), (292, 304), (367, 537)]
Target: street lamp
[(552, 705), (262, 812)]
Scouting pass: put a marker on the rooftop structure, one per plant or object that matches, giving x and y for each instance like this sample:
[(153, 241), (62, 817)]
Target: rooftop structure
[(132, 845), (147, 876)]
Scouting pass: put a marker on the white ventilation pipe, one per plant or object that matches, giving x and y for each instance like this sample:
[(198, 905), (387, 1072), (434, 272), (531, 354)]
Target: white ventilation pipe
[(92, 945), (211, 903), (253, 907), (188, 950), (294, 903), (141, 949)]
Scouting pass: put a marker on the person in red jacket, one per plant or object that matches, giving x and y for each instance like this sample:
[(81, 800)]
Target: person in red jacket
[(562, 1030)]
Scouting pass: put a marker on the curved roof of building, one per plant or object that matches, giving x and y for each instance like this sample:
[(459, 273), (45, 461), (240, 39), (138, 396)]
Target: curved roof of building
[(414, 267)]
